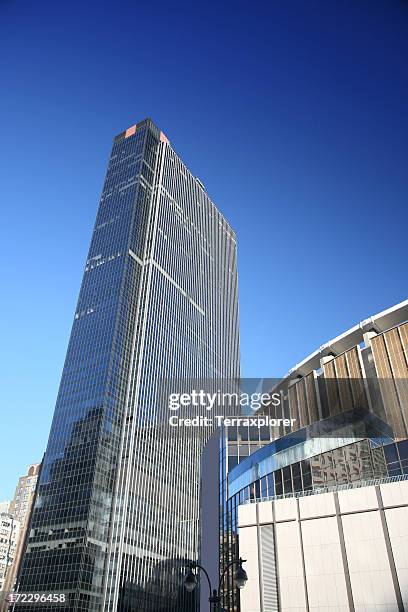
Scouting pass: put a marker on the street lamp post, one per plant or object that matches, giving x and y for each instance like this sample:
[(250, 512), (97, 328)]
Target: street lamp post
[(190, 581)]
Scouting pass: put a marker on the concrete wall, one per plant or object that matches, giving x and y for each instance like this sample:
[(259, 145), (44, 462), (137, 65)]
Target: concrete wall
[(330, 552)]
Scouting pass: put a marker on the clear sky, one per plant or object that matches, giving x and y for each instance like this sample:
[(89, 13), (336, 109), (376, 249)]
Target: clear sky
[(293, 113)]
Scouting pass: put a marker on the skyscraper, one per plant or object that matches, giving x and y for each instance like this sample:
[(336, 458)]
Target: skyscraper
[(116, 516)]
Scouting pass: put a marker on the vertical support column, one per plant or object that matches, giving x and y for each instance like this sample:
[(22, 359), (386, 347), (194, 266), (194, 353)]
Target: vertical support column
[(344, 553), (276, 556), (389, 550), (302, 554), (259, 544)]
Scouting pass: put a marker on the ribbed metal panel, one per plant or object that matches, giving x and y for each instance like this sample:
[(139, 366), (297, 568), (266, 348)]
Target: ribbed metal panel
[(268, 568)]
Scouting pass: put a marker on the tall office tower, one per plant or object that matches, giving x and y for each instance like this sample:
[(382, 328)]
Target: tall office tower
[(116, 515)]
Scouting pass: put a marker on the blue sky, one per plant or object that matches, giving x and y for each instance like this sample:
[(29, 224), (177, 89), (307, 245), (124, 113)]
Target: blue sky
[(292, 113)]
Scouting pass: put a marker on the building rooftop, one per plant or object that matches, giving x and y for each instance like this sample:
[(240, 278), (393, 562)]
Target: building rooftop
[(377, 323)]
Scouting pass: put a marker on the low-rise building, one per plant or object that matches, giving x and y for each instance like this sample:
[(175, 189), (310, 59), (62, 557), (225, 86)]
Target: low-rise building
[(349, 404), (20, 505), (16, 523), (9, 534), (344, 548), (4, 506)]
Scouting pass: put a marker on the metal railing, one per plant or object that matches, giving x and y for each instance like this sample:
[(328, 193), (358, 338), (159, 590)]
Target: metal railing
[(341, 487)]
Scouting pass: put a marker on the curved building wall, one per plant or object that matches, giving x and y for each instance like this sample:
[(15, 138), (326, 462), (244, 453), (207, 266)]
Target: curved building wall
[(341, 550), (360, 375)]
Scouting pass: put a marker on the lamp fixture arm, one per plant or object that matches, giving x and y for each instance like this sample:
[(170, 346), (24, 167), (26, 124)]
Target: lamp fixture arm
[(240, 561), (197, 565)]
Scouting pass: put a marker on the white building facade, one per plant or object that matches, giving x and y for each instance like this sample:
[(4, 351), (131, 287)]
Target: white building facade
[(342, 550), (9, 533), (4, 506)]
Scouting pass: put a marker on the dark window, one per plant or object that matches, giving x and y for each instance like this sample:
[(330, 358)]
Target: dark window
[(390, 452), (278, 483), (296, 470), (403, 449), (307, 481), (271, 484), (286, 473), (232, 433), (257, 489), (287, 486), (254, 434), (395, 471), (305, 466), (243, 431), (232, 462)]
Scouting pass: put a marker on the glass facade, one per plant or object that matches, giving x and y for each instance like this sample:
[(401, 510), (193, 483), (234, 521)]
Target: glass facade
[(116, 516)]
